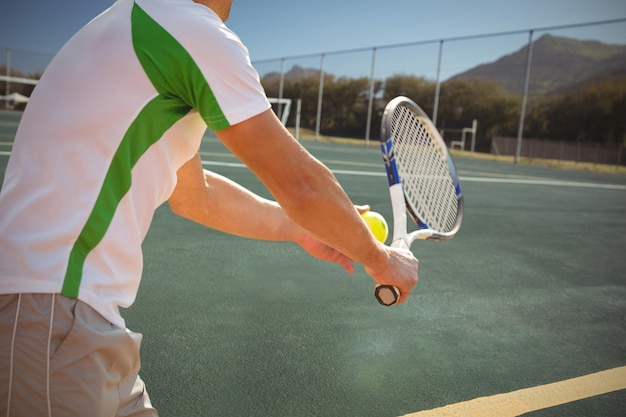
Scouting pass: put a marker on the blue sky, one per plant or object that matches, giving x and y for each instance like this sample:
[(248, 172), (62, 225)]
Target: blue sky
[(284, 28)]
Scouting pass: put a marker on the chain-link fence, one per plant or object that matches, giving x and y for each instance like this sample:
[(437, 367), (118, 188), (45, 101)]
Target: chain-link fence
[(555, 83), (517, 82)]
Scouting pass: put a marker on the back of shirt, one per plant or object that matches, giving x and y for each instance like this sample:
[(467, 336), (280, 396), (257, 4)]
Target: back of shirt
[(121, 107)]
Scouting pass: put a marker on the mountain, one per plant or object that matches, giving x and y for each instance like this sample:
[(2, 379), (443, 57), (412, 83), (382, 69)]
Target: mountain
[(296, 73), (558, 64)]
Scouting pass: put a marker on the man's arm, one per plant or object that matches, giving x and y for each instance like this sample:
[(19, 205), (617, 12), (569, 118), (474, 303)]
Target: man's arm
[(311, 196), (219, 203)]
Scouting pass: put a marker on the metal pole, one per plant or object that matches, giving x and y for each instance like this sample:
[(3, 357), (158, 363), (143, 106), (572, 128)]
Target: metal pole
[(280, 87), (319, 99), (8, 78), (298, 111), (438, 87), (520, 128), (370, 105)]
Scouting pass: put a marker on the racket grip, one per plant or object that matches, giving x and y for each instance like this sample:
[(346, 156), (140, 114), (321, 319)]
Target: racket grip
[(387, 295)]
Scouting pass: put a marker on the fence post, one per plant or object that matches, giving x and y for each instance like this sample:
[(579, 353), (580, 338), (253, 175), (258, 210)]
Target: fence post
[(370, 105), (520, 128), (438, 86), (319, 99), (281, 87), (8, 85)]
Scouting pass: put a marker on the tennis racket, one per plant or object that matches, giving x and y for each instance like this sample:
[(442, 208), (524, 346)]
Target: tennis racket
[(423, 181)]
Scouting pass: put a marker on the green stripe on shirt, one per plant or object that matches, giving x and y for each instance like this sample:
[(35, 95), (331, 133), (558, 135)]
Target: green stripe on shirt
[(180, 86), (172, 70)]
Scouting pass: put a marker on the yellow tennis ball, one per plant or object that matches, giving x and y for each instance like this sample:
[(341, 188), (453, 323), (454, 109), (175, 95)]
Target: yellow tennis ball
[(377, 224)]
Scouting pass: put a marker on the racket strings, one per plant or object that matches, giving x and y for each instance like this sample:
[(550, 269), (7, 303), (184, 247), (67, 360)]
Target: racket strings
[(425, 172)]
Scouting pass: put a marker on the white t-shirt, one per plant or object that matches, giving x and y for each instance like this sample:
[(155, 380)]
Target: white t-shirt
[(123, 105)]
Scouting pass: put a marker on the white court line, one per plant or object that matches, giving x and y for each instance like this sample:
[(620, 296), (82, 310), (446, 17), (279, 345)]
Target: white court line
[(463, 178), (524, 401), (336, 171), (545, 182)]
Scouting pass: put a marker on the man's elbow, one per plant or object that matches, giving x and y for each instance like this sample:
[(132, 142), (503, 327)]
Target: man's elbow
[(187, 211)]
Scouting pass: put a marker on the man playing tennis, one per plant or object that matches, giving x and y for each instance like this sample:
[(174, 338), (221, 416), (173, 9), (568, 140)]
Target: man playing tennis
[(111, 132)]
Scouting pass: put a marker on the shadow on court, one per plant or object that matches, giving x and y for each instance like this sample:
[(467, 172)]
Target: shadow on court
[(532, 291)]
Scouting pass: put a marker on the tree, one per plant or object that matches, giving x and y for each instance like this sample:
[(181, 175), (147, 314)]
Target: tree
[(418, 89), (593, 113), (345, 107)]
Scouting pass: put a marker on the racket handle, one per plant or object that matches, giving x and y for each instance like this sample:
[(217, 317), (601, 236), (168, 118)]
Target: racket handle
[(387, 295)]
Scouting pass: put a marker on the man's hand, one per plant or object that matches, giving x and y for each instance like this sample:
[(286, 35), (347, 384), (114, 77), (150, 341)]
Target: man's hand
[(399, 271)]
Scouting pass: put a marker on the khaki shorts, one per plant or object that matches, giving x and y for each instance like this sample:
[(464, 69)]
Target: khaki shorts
[(59, 357)]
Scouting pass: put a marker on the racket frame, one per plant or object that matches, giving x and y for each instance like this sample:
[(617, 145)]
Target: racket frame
[(388, 294), (399, 202)]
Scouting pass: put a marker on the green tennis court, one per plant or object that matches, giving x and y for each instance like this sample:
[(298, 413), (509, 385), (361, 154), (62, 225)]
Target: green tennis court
[(531, 292)]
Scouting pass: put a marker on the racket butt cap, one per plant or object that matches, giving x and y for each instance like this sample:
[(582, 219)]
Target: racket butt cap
[(387, 295)]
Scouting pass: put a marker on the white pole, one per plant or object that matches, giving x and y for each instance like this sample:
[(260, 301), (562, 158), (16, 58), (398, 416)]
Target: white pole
[(474, 127)]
